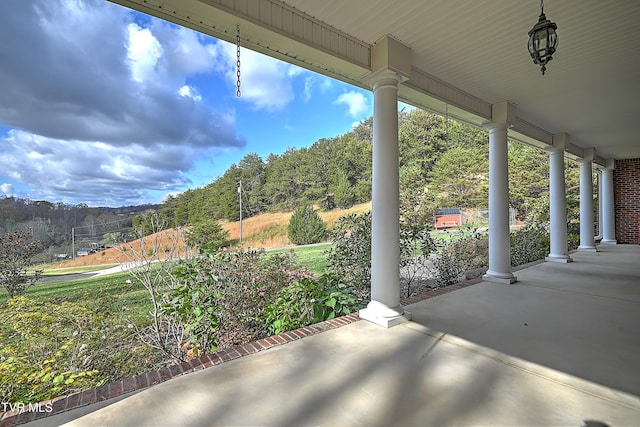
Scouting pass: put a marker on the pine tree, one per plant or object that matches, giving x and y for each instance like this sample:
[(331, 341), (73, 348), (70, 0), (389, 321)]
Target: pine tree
[(306, 226)]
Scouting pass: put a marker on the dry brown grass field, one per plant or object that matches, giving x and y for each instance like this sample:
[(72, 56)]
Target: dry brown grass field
[(262, 231)]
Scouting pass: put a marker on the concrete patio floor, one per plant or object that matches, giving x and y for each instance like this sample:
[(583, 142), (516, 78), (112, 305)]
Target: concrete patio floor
[(559, 347)]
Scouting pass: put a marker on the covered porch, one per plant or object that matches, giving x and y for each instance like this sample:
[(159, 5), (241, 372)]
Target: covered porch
[(468, 60), (560, 348)]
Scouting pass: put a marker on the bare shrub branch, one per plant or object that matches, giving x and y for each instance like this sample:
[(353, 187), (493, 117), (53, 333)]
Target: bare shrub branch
[(151, 263)]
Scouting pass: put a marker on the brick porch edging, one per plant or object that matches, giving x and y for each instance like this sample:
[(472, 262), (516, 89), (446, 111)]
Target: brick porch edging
[(136, 383)]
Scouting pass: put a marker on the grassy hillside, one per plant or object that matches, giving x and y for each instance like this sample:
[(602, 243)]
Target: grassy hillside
[(262, 231), (270, 230)]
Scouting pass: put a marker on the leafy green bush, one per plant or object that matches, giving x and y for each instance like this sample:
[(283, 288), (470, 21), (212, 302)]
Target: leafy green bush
[(416, 247), (447, 265), (471, 248), (529, 244), (573, 235), (343, 193), (465, 250), (207, 234), (48, 349), (221, 296), (21, 381), (306, 226), (308, 301), (350, 256)]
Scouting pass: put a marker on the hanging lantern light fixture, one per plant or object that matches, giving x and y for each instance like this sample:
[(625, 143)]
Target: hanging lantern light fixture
[(543, 40)]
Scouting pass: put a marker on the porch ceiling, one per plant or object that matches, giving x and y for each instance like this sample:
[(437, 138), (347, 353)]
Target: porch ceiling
[(467, 53)]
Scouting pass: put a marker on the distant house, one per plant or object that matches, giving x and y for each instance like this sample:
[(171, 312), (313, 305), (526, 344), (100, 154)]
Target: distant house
[(95, 246), (448, 217), (84, 251)]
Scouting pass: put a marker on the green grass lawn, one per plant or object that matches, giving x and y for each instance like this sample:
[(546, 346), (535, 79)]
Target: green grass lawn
[(47, 272), (448, 235), (113, 290), (312, 257)]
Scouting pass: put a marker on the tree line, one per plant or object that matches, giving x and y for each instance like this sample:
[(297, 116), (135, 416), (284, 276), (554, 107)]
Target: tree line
[(51, 223), (443, 163)]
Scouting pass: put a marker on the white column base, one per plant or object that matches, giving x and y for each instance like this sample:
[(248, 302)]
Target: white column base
[(378, 313), (608, 242), (559, 258), (505, 279), (587, 249)]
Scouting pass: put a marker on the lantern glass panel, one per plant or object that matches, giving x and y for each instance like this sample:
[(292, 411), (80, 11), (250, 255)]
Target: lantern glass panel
[(553, 38)]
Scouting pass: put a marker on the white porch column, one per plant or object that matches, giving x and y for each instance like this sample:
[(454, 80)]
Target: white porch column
[(587, 238), (391, 62), (558, 201), (384, 308), (499, 238), (599, 176), (608, 206)]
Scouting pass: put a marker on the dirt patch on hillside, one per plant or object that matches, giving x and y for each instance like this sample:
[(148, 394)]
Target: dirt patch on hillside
[(125, 252)]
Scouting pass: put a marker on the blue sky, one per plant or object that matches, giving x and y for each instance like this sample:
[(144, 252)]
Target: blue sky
[(109, 107)]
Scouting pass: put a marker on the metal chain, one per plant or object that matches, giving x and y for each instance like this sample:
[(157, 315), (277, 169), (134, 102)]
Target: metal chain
[(238, 93)]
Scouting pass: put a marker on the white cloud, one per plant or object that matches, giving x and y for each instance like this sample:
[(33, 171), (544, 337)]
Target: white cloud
[(106, 109), (308, 88), (93, 172), (185, 52), (265, 82), (356, 102), (314, 82), (191, 92), (294, 70), (325, 84), (6, 189), (144, 51)]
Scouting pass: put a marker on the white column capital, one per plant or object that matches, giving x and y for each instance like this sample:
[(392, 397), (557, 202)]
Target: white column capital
[(588, 155), (496, 127), (554, 151), (561, 141), (504, 112), (610, 164), (392, 54), (384, 77)]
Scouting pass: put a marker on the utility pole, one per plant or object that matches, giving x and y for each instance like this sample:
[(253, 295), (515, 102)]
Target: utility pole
[(73, 243), (240, 197)]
